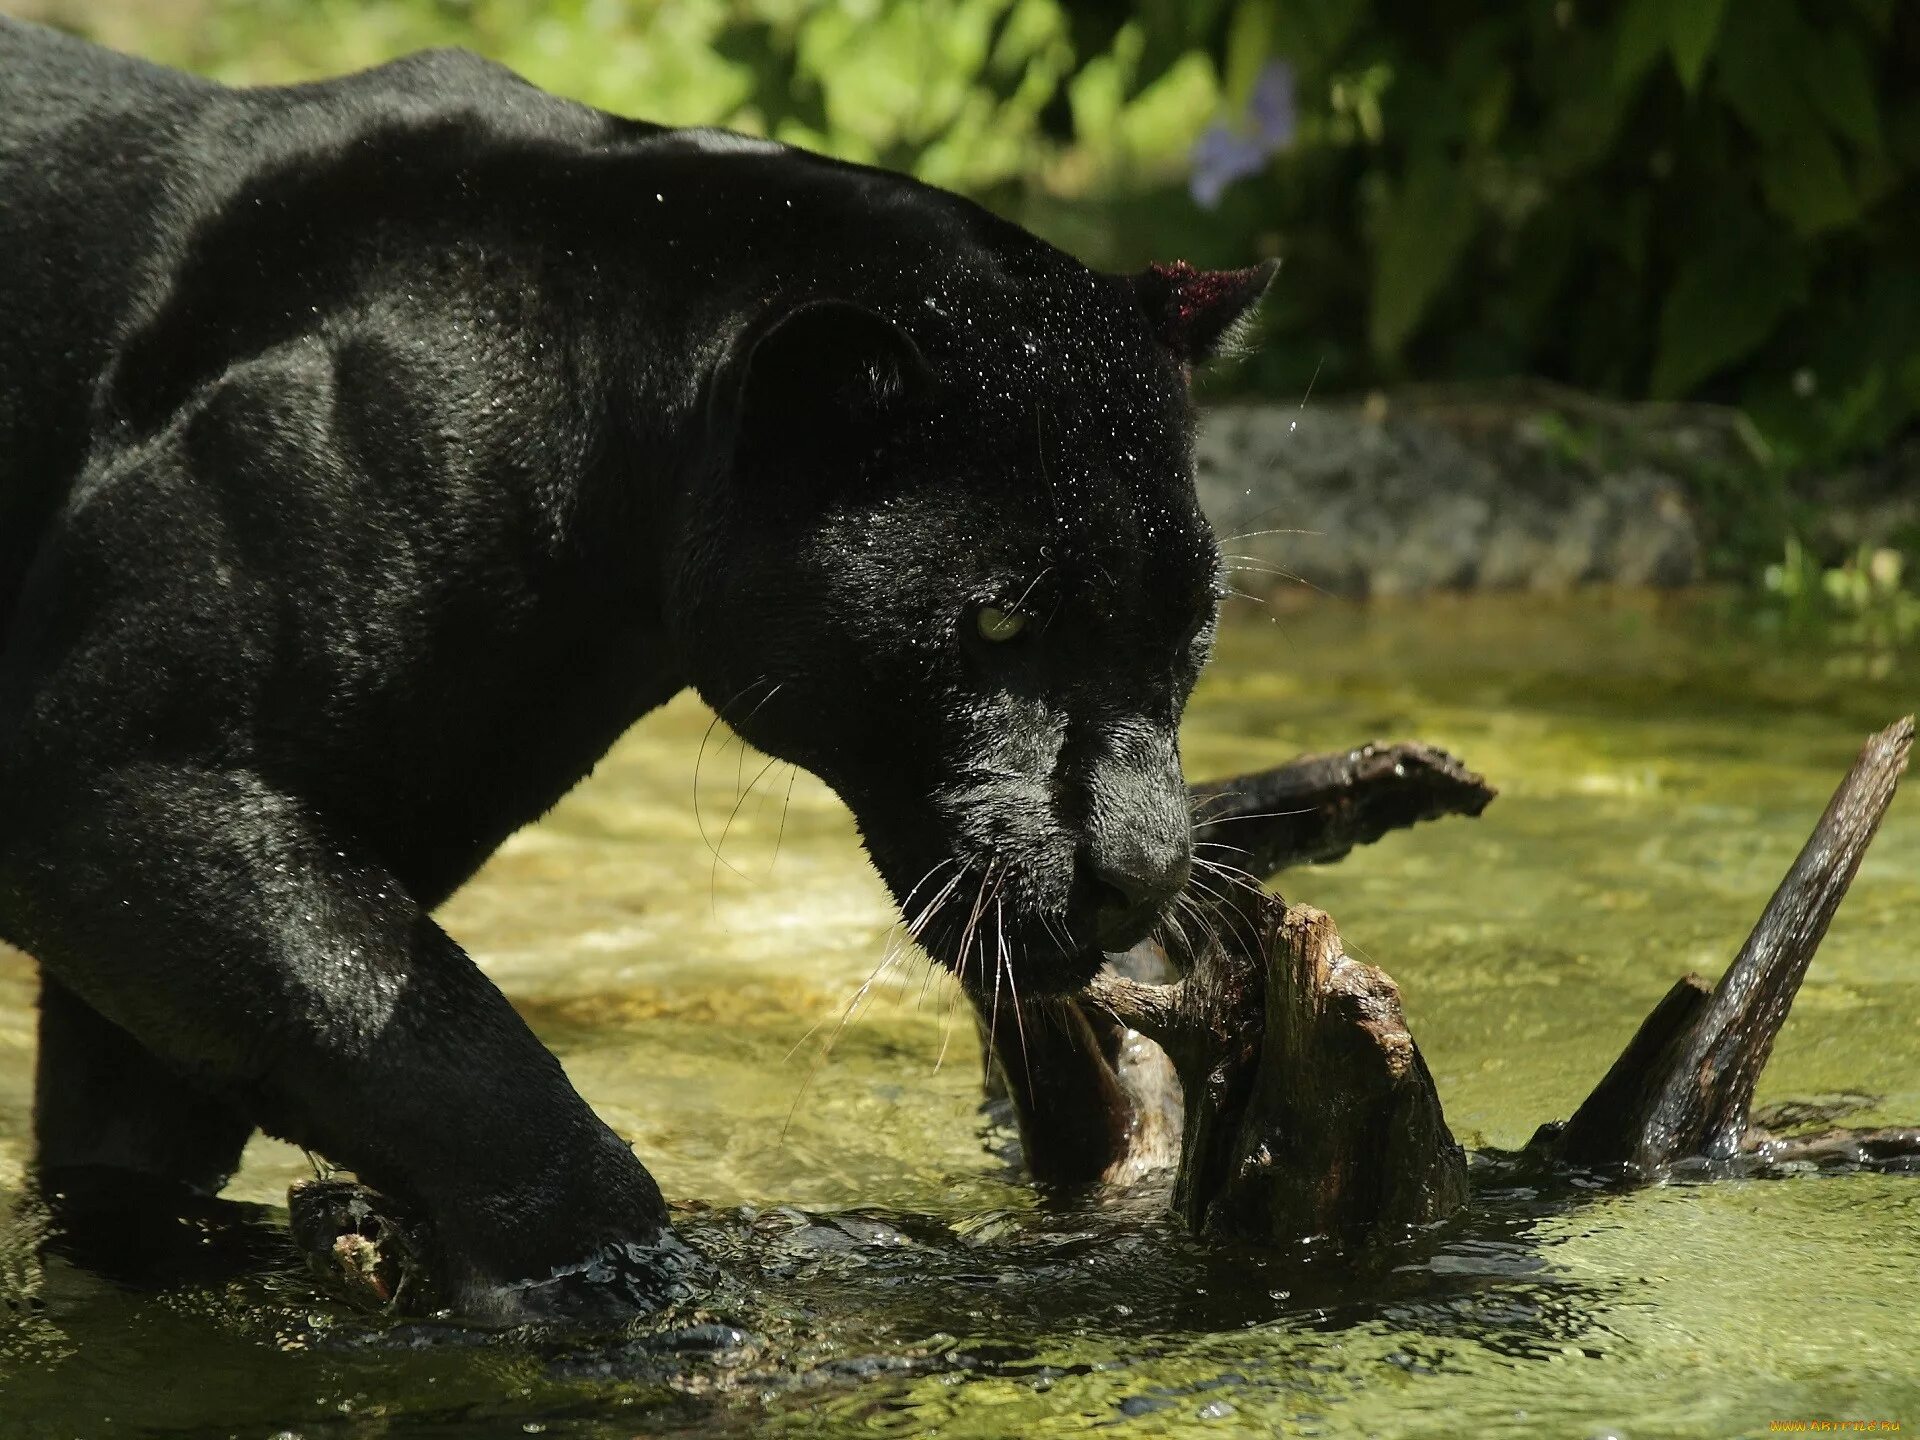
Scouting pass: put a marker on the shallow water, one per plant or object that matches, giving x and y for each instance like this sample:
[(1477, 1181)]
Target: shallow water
[(1659, 769)]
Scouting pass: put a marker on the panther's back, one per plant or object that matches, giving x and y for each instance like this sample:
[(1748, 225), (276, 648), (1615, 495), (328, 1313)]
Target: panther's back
[(108, 164), (84, 139)]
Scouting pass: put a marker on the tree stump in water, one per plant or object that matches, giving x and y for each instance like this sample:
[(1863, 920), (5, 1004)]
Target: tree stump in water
[(1682, 1090), (1307, 1109)]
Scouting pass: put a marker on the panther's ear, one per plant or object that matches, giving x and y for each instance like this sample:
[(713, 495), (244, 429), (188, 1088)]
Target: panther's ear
[(1195, 312), (823, 374)]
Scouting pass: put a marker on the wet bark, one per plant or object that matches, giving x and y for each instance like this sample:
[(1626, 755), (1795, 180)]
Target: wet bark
[(1309, 1111), (1317, 808), (1683, 1088)]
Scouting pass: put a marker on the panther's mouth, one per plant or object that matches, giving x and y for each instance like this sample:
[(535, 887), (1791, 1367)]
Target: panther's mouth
[(990, 939)]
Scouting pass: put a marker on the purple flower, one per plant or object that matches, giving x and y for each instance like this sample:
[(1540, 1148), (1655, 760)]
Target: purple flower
[(1224, 154), (1221, 157), (1270, 107)]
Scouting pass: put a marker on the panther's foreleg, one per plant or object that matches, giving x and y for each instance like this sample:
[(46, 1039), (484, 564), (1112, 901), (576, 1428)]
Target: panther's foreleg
[(213, 921)]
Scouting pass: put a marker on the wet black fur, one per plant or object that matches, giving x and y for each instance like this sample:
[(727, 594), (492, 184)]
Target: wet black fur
[(372, 453)]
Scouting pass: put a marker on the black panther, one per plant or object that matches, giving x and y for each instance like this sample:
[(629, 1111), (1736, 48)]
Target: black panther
[(374, 452)]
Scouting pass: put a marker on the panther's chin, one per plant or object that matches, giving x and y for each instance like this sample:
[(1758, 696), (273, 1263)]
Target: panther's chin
[(1068, 972), (1035, 965)]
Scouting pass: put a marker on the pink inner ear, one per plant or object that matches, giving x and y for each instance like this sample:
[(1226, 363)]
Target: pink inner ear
[(1194, 290), (1192, 310)]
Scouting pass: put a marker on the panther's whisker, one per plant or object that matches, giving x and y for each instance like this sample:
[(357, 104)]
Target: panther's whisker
[(713, 875), (907, 933), (887, 952), (700, 757), (1031, 585), (793, 774), (918, 926), (993, 1017), (1277, 573), (1171, 922), (1013, 988), (740, 764), (1222, 867), (1256, 534), (1262, 815), (946, 1019), (1208, 891), (1225, 913), (1059, 938), (1238, 879), (826, 1047), (1206, 804), (1200, 917), (973, 919)]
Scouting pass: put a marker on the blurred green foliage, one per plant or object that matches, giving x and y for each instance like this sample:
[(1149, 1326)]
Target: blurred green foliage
[(1651, 198), (954, 91), (1862, 608), (1664, 198)]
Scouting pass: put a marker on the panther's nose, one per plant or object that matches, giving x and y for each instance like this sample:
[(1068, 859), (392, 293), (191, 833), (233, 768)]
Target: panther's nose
[(1129, 896)]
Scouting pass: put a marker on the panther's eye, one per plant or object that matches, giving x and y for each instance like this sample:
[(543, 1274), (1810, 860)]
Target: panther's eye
[(997, 625)]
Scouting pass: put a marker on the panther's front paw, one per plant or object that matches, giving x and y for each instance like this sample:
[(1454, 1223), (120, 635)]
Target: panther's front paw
[(375, 1253), (614, 1285), (363, 1246)]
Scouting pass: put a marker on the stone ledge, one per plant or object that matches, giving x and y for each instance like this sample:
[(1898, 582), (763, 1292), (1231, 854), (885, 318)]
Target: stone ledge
[(1527, 488)]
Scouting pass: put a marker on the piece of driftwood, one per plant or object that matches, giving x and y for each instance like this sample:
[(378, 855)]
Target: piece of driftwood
[(1683, 1088), (1309, 1111), (1088, 1101), (1317, 808)]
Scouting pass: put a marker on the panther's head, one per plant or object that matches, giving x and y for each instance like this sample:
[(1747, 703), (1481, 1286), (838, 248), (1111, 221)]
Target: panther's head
[(956, 568)]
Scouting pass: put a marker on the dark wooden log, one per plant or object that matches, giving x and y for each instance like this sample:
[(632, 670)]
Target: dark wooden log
[(1683, 1088), (1317, 808), (1088, 1105), (1309, 1111), (1058, 1070), (367, 1248), (1608, 1125), (1887, 1147)]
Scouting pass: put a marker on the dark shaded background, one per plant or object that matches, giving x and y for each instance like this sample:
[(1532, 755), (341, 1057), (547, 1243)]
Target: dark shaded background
[(1667, 200)]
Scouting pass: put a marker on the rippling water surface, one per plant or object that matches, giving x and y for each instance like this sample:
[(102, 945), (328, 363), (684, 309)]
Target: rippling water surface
[(891, 1277)]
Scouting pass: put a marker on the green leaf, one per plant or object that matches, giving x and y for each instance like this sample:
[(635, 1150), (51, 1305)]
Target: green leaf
[(1754, 69), (1425, 230), (1692, 27), (1642, 35), (1836, 76), (1311, 32), (1159, 125), (1725, 301), (1805, 182), (1249, 43)]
